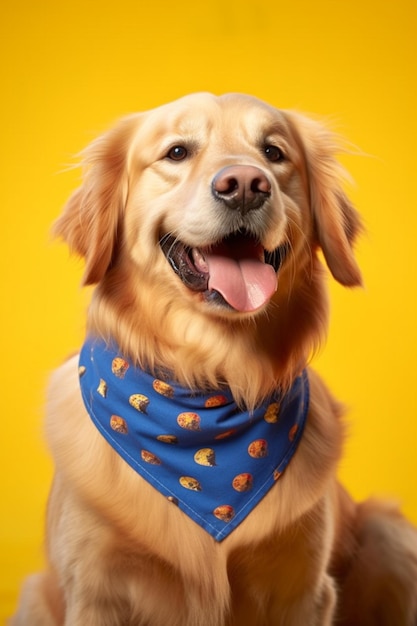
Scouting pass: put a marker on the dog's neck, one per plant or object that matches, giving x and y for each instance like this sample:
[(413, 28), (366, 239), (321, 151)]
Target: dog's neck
[(252, 356), (213, 459)]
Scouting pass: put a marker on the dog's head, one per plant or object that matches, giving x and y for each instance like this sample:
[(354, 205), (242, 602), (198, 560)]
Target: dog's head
[(220, 202)]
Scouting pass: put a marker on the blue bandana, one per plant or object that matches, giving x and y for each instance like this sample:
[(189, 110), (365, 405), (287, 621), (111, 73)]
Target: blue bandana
[(201, 451)]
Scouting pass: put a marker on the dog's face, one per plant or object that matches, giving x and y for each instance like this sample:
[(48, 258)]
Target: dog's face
[(218, 195), (216, 182), (196, 219)]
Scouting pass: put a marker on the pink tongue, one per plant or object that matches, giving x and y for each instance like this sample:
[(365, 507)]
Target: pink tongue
[(246, 283)]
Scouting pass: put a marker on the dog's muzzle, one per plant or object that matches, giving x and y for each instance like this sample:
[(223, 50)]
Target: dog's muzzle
[(235, 272)]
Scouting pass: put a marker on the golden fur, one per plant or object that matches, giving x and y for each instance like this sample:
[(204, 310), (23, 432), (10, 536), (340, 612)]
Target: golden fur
[(118, 552)]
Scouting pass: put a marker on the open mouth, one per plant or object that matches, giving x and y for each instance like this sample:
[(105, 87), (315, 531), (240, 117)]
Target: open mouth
[(237, 272)]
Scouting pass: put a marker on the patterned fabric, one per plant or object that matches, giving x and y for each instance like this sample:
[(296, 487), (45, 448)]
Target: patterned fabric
[(201, 451)]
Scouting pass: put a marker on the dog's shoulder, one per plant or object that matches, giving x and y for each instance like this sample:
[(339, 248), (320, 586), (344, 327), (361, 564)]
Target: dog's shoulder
[(68, 429)]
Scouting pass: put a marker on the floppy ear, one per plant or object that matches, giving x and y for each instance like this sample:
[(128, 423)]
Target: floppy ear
[(335, 221), (91, 217)]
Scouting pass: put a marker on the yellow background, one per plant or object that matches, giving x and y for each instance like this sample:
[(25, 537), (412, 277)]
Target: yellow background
[(69, 69)]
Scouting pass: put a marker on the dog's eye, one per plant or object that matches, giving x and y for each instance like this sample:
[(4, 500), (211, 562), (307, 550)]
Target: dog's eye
[(177, 153), (273, 153)]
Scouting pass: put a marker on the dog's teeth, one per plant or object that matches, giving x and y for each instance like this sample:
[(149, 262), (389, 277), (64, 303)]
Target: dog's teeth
[(199, 261)]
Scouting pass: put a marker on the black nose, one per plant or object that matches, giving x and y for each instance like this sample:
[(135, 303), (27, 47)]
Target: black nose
[(241, 187)]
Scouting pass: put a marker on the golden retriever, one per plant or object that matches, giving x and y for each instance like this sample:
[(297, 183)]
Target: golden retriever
[(201, 224)]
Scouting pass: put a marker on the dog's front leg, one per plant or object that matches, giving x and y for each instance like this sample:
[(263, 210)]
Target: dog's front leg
[(94, 612), (283, 581), (326, 604), (313, 609)]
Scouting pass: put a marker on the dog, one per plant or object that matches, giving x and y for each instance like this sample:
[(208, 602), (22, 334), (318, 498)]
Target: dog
[(195, 449)]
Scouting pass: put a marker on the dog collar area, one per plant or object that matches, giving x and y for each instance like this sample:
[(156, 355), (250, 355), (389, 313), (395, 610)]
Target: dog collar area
[(201, 451)]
